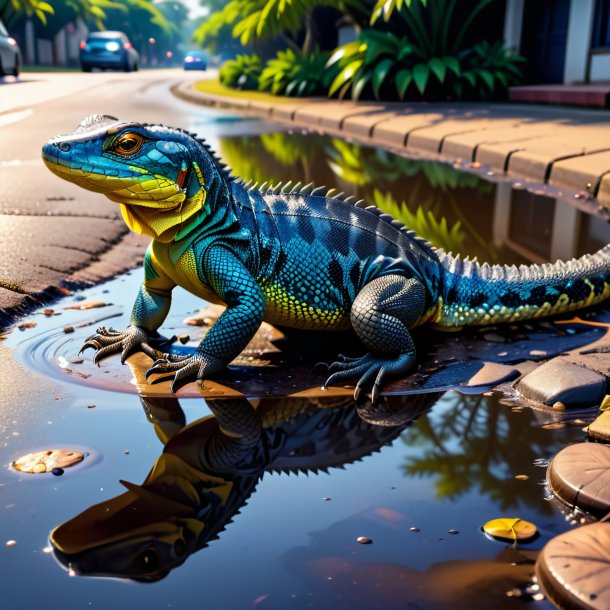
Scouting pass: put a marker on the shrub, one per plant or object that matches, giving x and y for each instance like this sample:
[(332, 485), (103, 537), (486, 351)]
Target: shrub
[(242, 72), (298, 75)]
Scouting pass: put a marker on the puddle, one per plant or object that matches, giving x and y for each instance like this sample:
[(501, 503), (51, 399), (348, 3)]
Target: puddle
[(218, 518)]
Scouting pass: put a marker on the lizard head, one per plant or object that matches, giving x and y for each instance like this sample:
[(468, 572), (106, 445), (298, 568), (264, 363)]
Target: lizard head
[(159, 175)]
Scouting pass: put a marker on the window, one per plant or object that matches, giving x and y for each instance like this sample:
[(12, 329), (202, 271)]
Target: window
[(601, 25)]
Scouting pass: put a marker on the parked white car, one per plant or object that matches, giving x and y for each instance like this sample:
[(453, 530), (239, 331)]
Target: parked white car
[(10, 55)]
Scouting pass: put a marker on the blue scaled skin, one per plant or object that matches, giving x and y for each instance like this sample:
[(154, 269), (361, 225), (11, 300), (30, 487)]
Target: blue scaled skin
[(295, 257)]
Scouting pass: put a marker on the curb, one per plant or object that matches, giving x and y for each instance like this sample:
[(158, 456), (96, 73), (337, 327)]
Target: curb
[(506, 146)]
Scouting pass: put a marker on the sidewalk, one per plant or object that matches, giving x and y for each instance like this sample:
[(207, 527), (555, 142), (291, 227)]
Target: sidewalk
[(565, 147)]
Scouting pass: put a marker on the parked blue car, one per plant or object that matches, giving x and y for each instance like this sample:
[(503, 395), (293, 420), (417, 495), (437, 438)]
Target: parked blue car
[(110, 50), (195, 60), (10, 56)]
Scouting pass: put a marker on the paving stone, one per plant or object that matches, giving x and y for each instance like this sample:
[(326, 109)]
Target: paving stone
[(579, 475), (558, 381), (286, 112), (261, 106), (431, 138), (573, 569), (327, 114), (581, 171), (466, 145), (394, 131), (362, 125)]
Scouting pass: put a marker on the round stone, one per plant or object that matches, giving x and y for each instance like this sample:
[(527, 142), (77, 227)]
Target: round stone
[(579, 475), (47, 461), (573, 569)]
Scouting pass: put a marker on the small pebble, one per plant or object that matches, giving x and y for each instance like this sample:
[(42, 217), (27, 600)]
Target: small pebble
[(11, 542), (68, 329), (126, 452), (454, 532), (326, 499), (363, 540), (414, 529), (559, 406), (90, 406), (57, 471), (502, 354), (538, 352)]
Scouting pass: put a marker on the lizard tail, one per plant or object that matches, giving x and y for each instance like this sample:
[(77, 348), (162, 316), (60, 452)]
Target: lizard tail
[(474, 293)]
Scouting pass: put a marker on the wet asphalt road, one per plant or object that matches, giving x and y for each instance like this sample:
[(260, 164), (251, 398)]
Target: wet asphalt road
[(51, 231)]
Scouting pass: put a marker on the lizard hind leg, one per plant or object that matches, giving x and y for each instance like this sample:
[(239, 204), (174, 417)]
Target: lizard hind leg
[(380, 316)]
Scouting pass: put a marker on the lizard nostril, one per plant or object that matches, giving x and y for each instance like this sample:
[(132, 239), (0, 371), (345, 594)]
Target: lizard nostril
[(64, 146)]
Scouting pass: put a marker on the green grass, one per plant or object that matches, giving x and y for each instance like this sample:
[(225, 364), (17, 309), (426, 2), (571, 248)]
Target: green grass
[(214, 87)]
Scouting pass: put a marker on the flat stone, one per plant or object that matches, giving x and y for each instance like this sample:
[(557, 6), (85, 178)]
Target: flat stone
[(600, 428), (573, 569), (579, 476), (557, 381)]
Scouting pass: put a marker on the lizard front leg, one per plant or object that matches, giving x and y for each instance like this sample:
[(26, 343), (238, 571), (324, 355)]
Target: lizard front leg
[(149, 311), (381, 315), (233, 330)]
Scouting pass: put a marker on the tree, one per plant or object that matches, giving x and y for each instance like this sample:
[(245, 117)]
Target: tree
[(12, 10), (261, 20)]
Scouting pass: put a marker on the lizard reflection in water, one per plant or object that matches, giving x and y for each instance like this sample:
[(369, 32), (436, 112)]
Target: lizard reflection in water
[(210, 468)]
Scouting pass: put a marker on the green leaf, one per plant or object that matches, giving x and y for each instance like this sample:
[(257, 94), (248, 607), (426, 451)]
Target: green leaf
[(453, 64), (403, 79), (380, 73), (351, 48), (405, 50), (345, 76), (421, 75), (359, 86), (469, 76), (488, 78), (502, 78), (438, 67)]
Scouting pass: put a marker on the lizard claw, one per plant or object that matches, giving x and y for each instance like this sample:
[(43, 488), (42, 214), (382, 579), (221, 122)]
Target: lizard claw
[(368, 368), (108, 342), (185, 368)]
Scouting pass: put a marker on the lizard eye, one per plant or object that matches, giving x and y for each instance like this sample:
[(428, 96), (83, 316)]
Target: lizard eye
[(128, 144)]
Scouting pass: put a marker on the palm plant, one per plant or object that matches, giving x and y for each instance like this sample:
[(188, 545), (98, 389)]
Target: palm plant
[(243, 72), (420, 52), (296, 74)]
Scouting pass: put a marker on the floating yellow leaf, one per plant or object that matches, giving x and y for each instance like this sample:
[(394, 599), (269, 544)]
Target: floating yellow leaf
[(521, 477), (510, 529)]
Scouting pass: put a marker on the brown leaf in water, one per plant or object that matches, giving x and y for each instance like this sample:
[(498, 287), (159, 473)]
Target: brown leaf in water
[(27, 325), (88, 305)]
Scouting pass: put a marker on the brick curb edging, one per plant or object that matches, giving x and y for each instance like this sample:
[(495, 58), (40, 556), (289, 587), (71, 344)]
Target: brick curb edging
[(528, 144)]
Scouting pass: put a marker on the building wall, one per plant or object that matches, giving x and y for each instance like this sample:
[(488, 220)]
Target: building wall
[(579, 41)]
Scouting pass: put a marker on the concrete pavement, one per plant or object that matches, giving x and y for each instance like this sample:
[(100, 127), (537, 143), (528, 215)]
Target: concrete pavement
[(55, 235), (566, 147)]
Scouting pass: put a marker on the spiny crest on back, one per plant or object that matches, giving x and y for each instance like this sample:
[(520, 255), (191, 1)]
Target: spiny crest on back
[(466, 267), (288, 188)]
